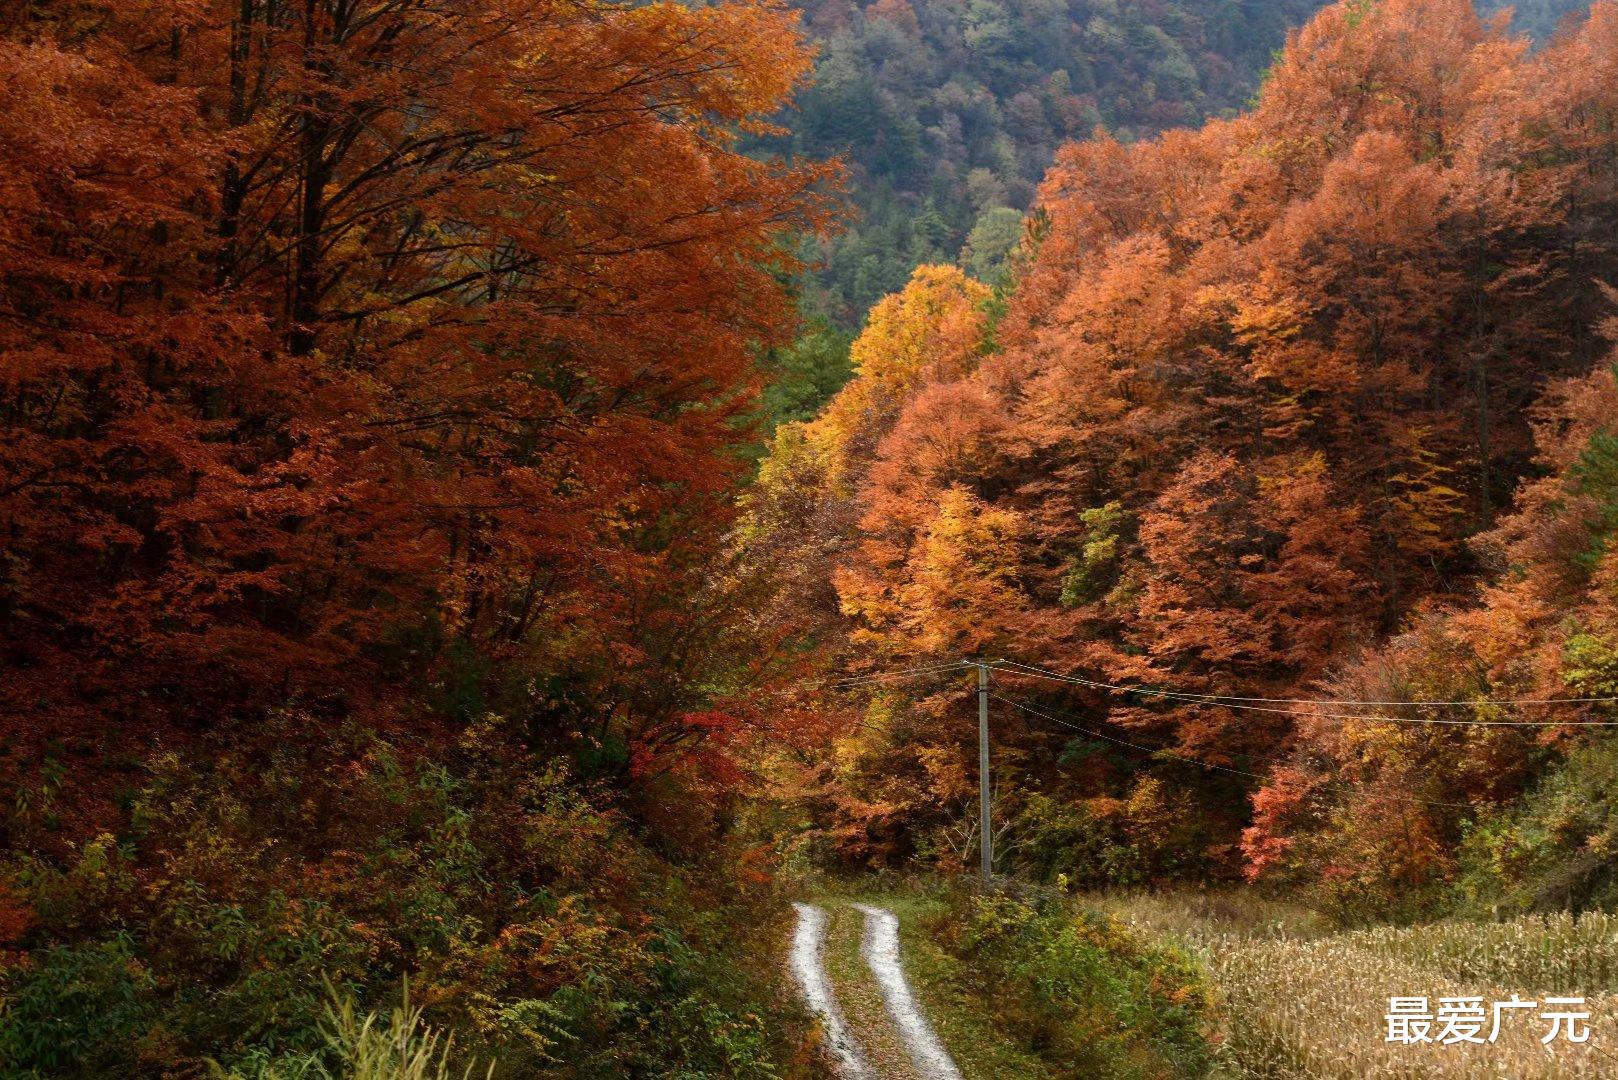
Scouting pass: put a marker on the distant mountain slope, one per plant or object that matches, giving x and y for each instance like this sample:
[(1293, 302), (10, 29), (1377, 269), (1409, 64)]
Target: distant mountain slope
[(1540, 18), (949, 111)]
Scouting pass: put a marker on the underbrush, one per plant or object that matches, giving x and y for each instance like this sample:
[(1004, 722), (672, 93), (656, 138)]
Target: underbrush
[(1088, 995), (534, 920), (396, 1045)]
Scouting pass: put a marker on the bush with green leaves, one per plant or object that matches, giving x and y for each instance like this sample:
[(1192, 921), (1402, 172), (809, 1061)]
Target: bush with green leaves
[(1090, 996), (535, 918), (1556, 848)]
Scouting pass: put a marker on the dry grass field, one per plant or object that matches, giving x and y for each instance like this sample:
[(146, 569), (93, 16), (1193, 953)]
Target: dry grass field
[(1295, 999)]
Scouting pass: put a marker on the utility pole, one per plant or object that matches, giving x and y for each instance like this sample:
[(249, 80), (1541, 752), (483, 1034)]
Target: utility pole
[(986, 846)]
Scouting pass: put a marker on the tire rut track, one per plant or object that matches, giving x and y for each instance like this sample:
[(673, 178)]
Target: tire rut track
[(880, 947), (808, 965)]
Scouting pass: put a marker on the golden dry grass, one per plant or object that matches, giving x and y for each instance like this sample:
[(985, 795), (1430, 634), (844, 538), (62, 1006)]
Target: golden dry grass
[(1297, 1000)]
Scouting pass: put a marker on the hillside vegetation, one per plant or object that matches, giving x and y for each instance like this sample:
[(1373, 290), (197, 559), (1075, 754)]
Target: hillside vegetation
[(1310, 403), (948, 113), (373, 392)]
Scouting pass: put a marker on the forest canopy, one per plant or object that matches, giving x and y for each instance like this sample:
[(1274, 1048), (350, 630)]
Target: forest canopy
[(1260, 395), (949, 113), (375, 379)]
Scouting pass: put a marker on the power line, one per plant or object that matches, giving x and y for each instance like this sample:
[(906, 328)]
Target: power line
[(1354, 701), (902, 673), (881, 676), (1205, 764), (865, 680), (1124, 742), (1011, 667)]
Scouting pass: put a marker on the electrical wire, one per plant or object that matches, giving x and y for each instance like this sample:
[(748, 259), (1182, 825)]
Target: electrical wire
[(1353, 701), (1204, 764), (1012, 667), (903, 673), (1124, 742)]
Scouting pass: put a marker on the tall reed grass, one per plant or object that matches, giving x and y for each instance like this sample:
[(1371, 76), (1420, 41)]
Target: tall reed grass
[(394, 1045)]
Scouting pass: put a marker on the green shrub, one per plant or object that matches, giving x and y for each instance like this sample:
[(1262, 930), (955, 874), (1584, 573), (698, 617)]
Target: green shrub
[(75, 1010), (1089, 995), (1556, 848), (1064, 839), (536, 922)]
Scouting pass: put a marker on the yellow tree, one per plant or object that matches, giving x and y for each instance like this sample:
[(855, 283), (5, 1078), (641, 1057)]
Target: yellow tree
[(930, 331), (803, 516)]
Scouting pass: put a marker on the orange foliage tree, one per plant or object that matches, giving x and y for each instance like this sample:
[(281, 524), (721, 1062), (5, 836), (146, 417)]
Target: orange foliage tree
[(1255, 386), (1544, 631), (345, 338)]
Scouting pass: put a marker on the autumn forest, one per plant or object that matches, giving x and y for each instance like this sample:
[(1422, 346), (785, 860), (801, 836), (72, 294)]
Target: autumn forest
[(498, 498)]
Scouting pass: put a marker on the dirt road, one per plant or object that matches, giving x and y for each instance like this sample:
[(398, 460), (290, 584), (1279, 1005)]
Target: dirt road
[(890, 1041)]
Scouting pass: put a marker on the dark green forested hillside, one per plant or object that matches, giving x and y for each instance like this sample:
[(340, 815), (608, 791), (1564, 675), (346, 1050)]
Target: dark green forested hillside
[(1541, 17), (949, 111)]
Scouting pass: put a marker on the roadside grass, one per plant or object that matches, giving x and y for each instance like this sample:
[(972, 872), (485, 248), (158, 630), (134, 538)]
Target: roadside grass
[(1295, 999), (952, 995)]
